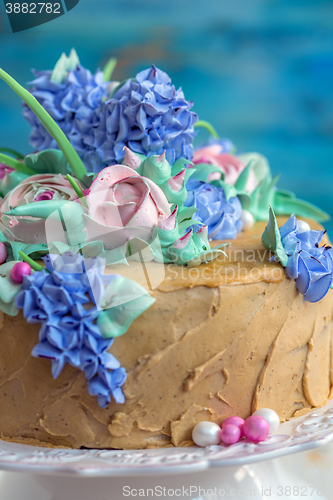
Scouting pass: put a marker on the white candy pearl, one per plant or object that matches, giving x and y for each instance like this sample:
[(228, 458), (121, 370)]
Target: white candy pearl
[(247, 219), (302, 226), (206, 434), (271, 416)]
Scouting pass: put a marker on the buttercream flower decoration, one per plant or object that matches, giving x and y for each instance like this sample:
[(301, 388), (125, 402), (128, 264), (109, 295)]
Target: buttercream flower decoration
[(222, 217), (34, 189), (298, 250), (57, 297), (123, 209), (70, 94), (229, 164), (147, 114), (248, 176), (123, 205)]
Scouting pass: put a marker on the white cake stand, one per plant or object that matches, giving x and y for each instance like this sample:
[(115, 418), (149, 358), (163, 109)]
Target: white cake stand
[(243, 470)]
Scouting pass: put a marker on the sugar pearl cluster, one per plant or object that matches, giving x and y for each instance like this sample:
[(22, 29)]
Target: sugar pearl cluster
[(255, 428)]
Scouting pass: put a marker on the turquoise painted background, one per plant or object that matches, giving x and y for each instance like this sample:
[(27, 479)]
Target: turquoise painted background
[(260, 70)]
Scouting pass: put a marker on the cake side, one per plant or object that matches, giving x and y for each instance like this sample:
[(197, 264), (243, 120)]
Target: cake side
[(198, 353)]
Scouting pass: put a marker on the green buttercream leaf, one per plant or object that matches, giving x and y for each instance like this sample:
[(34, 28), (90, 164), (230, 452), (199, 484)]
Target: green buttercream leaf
[(124, 300), (91, 249), (207, 256), (15, 164), (14, 247), (186, 223), (115, 256), (109, 69), (271, 239), (263, 197), (202, 171), (8, 290), (157, 168), (208, 126), (179, 165), (2, 237), (67, 213), (63, 65), (50, 161), (259, 165), (44, 209), (241, 182), (186, 214), (232, 191), (12, 152), (285, 204), (174, 197), (32, 263), (77, 190), (88, 179)]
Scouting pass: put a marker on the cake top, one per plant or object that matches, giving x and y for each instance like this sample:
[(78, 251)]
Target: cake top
[(115, 179)]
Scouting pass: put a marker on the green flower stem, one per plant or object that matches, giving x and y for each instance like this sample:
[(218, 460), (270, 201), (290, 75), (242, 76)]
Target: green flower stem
[(208, 126), (77, 189), (12, 152), (109, 68), (71, 155), (15, 164), (31, 262)]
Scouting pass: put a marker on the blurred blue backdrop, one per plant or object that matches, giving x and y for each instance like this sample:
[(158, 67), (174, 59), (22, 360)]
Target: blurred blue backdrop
[(260, 70)]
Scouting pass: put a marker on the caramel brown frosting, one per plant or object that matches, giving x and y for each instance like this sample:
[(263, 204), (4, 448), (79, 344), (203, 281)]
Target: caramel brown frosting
[(221, 339)]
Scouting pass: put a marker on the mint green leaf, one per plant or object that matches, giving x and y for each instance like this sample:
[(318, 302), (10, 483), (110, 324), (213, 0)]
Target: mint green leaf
[(50, 161), (8, 290), (35, 250), (243, 177), (201, 171), (124, 300), (285, 205), (271, 239), (109, 68), (179, 165), (63, 65)]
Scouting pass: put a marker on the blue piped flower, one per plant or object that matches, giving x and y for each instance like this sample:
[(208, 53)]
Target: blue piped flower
[(72, 104), (308, 263), (221, 216), (69, 333), (148, 115)]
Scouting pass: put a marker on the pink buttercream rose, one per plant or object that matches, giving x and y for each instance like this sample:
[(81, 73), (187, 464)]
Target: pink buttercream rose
[(40, 187), (123, 205), (230, 165)]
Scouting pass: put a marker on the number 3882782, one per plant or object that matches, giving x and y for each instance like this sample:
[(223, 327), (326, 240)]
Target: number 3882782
[(33, 8)]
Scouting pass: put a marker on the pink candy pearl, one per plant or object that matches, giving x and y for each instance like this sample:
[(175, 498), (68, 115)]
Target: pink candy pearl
[(230, 434), (3, 253), (237, 421), (256, 428), (19, 270)]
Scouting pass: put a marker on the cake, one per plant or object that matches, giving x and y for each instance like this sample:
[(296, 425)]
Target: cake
[(145, 285)]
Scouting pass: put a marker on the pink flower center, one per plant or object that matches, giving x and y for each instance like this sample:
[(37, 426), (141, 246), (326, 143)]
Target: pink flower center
[(46, 196)]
